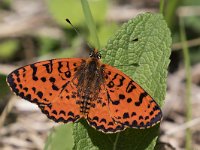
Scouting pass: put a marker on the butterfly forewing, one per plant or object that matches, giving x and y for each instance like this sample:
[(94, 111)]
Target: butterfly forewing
[(129, 104), (50, 85)]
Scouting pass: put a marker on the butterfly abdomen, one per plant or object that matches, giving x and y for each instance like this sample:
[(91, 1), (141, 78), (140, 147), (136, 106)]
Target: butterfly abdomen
[(90, 79)]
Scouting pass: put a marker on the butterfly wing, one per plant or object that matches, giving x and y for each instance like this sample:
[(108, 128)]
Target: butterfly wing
[(99, 116), (49, 85), (129, 104)]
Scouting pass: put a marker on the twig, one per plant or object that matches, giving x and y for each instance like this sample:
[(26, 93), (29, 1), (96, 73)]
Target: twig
[(124, 13), (184, 126), (24, 25), (187, 11), (6, 110), (191, 43), (6, 69)]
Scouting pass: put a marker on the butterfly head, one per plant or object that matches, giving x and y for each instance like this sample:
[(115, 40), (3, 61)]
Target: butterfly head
[(95, 54)]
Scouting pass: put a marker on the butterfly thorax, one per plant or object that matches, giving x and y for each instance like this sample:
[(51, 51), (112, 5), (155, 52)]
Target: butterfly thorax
[(90, 78)]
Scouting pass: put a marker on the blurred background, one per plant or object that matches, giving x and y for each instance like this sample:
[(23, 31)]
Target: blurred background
[(33, 30)]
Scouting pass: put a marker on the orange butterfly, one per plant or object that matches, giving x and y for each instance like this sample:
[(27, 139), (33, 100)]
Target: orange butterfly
[(72, 88)]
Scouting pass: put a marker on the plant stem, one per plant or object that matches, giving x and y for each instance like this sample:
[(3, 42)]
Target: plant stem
[(170, 8), (162, 2), (90, 22), (188, 81)]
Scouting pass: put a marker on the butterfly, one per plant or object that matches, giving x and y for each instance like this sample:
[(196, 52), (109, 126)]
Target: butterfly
[(68, 89)]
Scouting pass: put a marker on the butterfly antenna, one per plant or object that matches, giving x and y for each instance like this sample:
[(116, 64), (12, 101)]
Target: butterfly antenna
[(68, 21)]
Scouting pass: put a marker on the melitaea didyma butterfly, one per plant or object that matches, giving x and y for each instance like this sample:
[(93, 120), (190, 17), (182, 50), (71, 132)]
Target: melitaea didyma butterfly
[(69, 89)]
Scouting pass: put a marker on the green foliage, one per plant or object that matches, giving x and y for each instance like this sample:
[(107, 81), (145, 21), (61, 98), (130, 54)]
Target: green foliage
[(61, 9), (170, 10), (195, 56), (191, 2), (105, 32), (141, 49), (192, 21), (5, 4), (3, 86), (8, 49), (47, 44), (60, 138)]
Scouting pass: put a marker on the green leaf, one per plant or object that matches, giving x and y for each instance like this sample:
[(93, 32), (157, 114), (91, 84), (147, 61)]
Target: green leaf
[(60, 138), (141, 49), (72, 9)]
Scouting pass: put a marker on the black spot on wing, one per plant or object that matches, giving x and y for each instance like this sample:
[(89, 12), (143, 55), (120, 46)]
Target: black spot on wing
[(142, 96), (146, 118), (21, 94), (34, 89), (52, 79), (129, 100), (39, 94), (55, 88), (111, 84), (103, 120), (130, 87), (116, 102), (126, 115), (49, 66), (96, 118), (68, 74), (121, 96), (134, 123), (34, 69), (140, 117), (20, 86), (141, 124), (28, 97), (110, 123), (54, 112), (18, 79), (151, 113), (62, 112), (43, 79), (25, 89), (70, 113), (121, 80), (133, 114), (60, 65)]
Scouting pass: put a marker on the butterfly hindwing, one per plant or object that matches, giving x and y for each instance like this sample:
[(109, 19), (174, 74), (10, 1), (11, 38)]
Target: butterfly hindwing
[(49, 85), (99, 116), (129, 104)]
